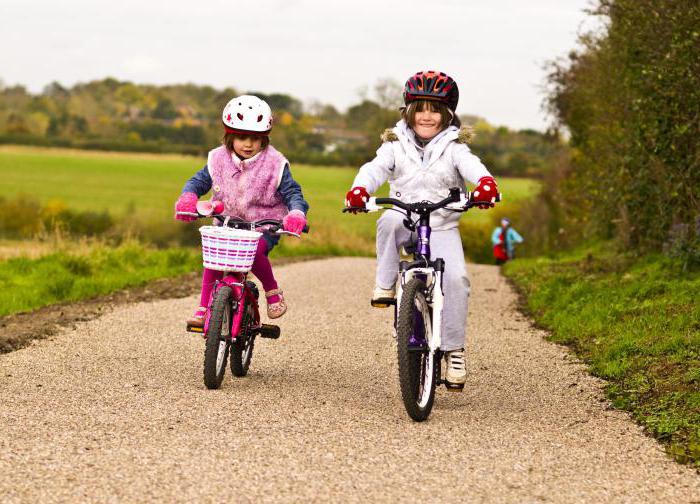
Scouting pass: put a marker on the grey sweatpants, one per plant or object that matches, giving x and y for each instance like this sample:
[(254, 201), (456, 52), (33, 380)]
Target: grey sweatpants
[(391, 235)]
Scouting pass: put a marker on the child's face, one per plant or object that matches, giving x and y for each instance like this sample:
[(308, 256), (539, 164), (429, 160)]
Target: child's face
[(247, 146), (427, 123)]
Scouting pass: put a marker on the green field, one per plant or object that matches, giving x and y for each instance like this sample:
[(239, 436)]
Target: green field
[(141, 189), (148, 185), (145, 186)]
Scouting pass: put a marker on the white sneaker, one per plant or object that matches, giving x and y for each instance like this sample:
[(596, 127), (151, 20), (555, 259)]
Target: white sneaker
[(382, 298), (456, 368)]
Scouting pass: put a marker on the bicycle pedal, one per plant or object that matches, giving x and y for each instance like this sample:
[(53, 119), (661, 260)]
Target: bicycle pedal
[(269, 331), (382, 302), (195, 329), (454, 387)]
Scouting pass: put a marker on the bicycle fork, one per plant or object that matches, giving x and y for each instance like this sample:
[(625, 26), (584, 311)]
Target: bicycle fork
[(436, 300), (236, 283), (434, 297), (241, 297)]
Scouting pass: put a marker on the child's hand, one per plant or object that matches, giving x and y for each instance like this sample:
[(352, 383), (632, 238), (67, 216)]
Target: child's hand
[(294, 222), (356, 197), (486, 190), (186, 203)]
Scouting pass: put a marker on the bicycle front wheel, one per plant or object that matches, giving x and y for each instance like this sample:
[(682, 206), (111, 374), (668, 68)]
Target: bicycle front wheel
[(218, 339), (418, 368)]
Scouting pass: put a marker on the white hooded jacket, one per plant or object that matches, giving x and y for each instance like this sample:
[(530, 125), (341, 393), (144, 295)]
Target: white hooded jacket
[(420, 174)]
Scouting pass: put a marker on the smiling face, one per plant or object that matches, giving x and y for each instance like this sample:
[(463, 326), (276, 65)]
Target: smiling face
[(427, 118), (427, 124), (247, 146)]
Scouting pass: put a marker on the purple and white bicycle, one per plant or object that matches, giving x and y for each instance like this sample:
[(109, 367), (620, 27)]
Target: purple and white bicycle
[(419, 302)]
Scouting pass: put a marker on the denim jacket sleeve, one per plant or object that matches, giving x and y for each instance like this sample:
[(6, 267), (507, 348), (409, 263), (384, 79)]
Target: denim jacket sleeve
[(496, 236), (290, 190), (200, 183), (514, 236)]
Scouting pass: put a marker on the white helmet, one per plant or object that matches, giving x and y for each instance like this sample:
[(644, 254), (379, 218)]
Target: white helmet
[(247, 114)]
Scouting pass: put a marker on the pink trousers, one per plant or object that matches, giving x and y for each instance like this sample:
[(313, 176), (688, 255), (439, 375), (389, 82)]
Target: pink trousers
[(262, 269)]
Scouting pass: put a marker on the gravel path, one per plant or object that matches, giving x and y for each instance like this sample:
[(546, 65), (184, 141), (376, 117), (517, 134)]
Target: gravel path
[(116, 411)]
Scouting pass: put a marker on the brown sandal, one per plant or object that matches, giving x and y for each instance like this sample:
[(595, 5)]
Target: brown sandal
[(275, 310), (197, 320)]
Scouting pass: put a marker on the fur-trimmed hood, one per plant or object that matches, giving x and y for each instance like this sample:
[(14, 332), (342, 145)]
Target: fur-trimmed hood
[(423, 172)]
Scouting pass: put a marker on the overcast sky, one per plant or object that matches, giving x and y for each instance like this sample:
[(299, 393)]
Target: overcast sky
[(312, 49)]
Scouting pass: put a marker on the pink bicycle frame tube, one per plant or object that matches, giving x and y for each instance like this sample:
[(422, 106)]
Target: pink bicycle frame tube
[(233, 280)]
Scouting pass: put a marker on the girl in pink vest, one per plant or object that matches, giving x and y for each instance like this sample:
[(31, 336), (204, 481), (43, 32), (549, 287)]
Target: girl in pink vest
[(254, 182)]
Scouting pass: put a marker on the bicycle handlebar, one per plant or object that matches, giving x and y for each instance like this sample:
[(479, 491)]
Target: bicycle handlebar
[(241, 224), (424, 206)]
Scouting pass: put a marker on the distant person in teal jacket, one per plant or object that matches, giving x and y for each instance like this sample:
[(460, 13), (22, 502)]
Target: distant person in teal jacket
[(504, 239)]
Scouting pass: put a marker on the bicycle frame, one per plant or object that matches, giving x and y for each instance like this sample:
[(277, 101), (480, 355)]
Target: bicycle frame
[(420, 300), (237, 281), (430, 271), (242, 296)]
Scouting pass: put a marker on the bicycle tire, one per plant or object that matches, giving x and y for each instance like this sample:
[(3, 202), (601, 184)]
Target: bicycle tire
[(218, 341), (418, 370)]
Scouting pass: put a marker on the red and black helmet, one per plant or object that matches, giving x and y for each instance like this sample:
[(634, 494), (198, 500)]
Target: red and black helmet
[(431, 85)]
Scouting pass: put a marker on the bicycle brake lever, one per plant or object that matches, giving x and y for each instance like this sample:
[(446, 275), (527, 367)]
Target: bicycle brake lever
[(283, 232), (458, 206)]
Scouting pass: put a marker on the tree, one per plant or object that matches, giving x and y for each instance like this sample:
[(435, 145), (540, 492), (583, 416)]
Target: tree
[(164, 110), (630, 98)]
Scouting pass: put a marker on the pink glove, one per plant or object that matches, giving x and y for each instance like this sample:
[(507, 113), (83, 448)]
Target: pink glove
[(186, 203), (294, 222)]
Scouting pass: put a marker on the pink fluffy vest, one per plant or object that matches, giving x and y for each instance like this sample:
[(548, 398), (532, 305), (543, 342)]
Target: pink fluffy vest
[(248, 188)]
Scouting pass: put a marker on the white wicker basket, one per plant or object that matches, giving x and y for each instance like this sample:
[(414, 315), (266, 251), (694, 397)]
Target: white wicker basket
[(228, 249)]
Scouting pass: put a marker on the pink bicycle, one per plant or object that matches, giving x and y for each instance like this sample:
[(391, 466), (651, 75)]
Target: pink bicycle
[(233, 319)]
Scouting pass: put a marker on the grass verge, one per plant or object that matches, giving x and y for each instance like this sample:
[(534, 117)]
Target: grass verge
[(636, 322), (28, 284), (20, 329)]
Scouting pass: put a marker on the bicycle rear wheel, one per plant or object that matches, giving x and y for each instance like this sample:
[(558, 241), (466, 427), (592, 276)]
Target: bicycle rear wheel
[(217, 345), (418, 368)]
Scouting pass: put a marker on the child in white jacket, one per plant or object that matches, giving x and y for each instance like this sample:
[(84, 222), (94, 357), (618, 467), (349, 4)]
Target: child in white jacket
[(422, 157)]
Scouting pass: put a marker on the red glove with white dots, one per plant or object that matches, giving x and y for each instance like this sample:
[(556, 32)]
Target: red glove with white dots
[(356, 197), (486, 190)]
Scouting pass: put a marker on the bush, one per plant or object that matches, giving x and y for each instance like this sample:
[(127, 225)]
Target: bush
[(20, 217), (630, 98), (684, 245)]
